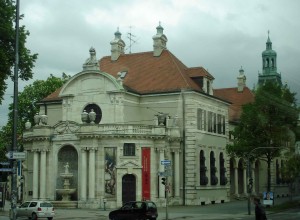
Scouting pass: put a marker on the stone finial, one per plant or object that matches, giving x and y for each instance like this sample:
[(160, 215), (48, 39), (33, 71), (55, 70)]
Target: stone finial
[(241, 80), (117, 46), (159, 41), (91, 63), (27, 125)]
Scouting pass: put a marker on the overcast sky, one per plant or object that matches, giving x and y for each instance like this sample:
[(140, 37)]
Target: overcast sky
[(220, 35)]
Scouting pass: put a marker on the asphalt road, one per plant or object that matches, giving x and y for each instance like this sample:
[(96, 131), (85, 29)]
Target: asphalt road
[(231, 210)]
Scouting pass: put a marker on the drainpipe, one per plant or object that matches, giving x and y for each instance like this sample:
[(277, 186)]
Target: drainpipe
[(183, 146)]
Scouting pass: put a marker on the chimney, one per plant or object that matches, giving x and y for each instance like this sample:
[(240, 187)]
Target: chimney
[(117, 46), (241, 80), (159, 41)]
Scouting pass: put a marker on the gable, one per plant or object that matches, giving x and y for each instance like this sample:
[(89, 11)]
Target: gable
[(90, 82)]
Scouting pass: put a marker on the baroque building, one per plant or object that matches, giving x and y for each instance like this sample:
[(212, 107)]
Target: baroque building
[(125, 122), (121, 125)]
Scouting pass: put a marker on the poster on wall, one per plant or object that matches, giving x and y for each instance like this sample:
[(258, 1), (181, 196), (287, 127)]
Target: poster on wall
[(110, 171), (146, 173), (268, 198)]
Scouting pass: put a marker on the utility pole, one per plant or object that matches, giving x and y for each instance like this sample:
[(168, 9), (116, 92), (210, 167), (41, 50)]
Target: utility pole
[(14, 146)]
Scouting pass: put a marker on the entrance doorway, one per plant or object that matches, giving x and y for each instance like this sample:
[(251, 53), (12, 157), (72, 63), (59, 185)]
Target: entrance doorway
[(128, 188)]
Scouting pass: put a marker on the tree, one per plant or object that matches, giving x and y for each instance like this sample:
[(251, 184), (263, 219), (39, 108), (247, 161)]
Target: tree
[(291, 171), (27, 108), (266, 126), (7, 47)]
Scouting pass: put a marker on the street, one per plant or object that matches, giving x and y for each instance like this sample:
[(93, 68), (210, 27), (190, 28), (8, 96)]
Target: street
[(227, 211)]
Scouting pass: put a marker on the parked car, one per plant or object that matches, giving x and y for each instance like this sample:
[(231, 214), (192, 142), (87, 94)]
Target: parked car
[(36, 210), (135, 210)]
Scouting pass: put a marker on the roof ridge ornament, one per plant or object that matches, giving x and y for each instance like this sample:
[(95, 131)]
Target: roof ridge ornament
[(91, 63)]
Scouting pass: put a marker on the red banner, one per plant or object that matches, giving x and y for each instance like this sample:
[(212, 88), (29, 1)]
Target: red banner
[(146, 173)]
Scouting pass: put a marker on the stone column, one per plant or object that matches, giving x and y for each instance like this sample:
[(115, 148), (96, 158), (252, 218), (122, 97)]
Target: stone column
[(43, 175), (161, 169), (177, 174), (253, 177), (92, 173), (83, 174), (236, 179), (245, 180), (35, 181)]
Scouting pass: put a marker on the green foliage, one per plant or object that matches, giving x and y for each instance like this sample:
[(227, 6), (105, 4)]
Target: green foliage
[(7, 47), (266, 124), (291, 170), (27, 107)]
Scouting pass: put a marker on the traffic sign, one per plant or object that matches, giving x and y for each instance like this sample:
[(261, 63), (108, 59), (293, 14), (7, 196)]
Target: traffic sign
[(15, 155), (165, 162), (5, 163), (5, 169)]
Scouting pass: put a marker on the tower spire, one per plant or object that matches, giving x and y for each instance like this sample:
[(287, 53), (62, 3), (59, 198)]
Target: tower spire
[(269, 60)]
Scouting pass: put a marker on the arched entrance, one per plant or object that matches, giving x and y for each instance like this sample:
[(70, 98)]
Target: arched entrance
[(128, 188), (67, 159)]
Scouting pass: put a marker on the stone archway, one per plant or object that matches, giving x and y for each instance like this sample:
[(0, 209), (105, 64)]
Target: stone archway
[(67, 154), (128, 188)]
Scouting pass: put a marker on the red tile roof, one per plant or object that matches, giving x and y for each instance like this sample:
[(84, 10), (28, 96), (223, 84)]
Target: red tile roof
[(148, 74), (238, 99), (199, 71), (53, 96)]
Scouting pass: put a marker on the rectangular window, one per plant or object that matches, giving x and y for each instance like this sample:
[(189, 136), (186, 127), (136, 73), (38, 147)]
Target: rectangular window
[(215, 122), (199, 119), (220, 122), (129, 149), (204, 120), (209, 122), (223, 124)]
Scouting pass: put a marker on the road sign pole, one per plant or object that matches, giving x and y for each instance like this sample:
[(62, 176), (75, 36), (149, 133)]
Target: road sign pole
[(167, 198)]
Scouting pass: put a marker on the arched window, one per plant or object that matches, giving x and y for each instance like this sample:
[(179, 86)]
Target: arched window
[(278, 180), (272, 63), (203, 169), (223, 179), (213, 169)]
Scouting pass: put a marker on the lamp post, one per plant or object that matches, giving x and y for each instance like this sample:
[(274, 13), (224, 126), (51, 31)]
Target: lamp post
[(15, 119), (249, 174)]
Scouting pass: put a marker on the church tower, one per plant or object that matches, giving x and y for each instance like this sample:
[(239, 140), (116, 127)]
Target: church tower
[(269, 62)]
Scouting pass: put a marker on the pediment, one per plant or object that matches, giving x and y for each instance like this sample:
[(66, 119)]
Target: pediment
[(129, 164), (90, 82)]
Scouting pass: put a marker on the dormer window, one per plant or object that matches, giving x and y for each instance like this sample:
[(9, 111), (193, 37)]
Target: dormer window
[(207, 86), (122, 74)]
